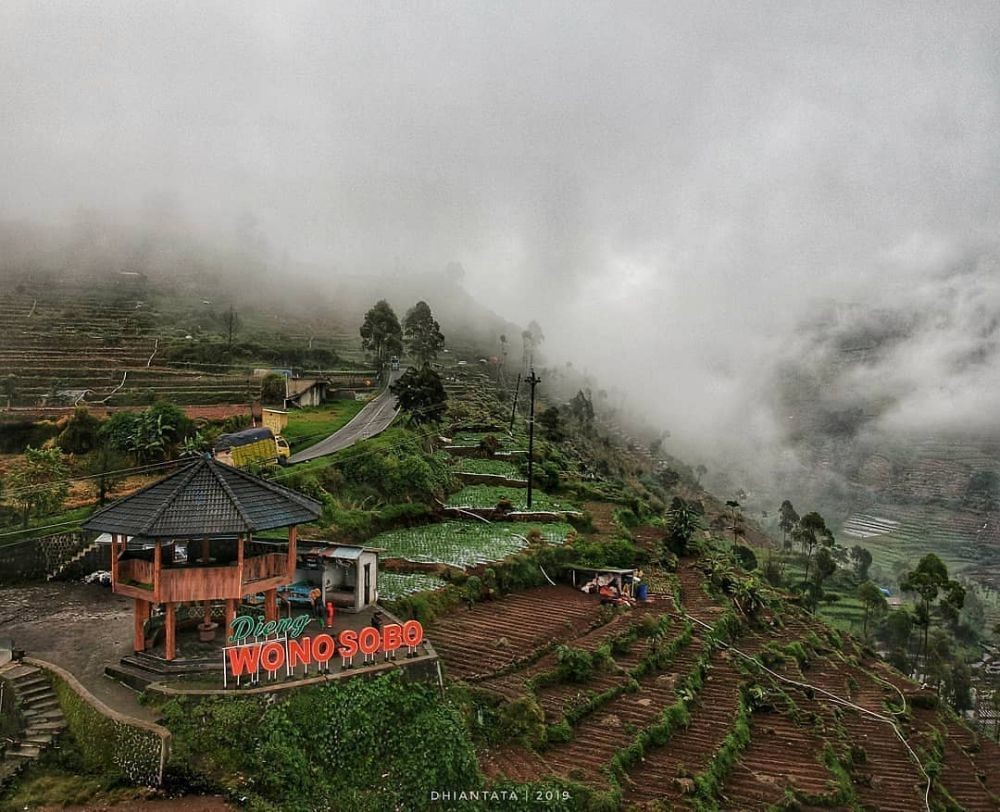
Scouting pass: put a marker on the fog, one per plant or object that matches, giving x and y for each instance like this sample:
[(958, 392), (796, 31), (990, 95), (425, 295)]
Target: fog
[(688, 197)]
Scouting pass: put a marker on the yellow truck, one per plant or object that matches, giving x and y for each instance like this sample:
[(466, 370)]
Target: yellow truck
[(252, 447)]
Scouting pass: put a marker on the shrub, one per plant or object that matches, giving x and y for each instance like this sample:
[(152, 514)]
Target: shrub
[(523, 721), (474, 588), (559, 733), (575, 665)]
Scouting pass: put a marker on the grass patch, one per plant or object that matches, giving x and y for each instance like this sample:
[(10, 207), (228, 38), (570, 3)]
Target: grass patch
[(74, 518), (307, 427)]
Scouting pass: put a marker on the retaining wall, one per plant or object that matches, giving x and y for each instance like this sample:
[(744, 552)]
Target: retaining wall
[(108, 739), (33, 559), (472, 478)]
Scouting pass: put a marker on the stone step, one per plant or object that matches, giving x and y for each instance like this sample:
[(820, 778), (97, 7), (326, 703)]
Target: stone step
[(44, 715), (54, 726), (28, 751), (27, 683), (21, 672), (36, 739), (42, 703), (27, 694)]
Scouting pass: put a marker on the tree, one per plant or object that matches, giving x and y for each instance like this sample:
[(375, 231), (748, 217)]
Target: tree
[(272, 389), (699, 471), (424, 339), (80, 432), (873, 601), (381, 333), (421, 394), (154, 434), (581, 408), (39, 483), (862, 559), (787, 521), (106, 466), (232, 323), (683, 521), (810, 531), (928, 581), (825, 566), (736, 517), (550, 421)]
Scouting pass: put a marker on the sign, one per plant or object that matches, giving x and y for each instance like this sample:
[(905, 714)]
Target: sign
[(249, 655)]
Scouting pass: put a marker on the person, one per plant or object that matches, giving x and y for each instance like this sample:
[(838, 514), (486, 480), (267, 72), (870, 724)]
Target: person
[(316, 598)]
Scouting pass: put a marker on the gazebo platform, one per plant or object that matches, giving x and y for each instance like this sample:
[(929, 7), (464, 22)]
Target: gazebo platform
[(188, 539)]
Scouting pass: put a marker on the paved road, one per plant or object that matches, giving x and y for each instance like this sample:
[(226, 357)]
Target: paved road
[(371, 420)]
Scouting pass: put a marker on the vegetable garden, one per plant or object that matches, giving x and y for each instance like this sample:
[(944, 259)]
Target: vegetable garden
[(464, 543)]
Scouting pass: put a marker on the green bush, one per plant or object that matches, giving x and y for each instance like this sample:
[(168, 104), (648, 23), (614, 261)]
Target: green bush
[(523, 721), (373, 744), (574, 664)]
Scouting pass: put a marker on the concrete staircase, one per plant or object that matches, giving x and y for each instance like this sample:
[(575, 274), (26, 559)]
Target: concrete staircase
[(139, 670), (65, 565), (40, 711)]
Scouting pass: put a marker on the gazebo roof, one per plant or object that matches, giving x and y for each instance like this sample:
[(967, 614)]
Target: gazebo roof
[(204, 499)]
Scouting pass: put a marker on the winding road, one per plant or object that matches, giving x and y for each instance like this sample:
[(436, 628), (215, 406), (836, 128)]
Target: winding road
[(371, 420)]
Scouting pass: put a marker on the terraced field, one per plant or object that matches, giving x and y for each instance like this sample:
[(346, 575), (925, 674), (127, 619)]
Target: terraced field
[(394, 585), (464, 543), (661, 729), (487, 496)]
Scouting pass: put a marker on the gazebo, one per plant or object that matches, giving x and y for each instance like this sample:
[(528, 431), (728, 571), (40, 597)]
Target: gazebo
[(212, 508)]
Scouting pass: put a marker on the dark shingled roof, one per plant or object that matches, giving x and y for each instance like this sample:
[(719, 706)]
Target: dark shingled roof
[(206, 498)]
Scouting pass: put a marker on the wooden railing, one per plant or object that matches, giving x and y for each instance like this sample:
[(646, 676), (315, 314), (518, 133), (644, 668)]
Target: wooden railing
[(199, 583), (269, 565), (136, 571)]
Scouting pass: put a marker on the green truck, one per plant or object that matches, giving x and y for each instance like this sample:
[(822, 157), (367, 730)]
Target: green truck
[(252, 447)]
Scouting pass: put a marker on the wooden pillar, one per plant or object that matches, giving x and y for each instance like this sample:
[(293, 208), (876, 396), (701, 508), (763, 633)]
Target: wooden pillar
[(270, 604), (141, 616), (293, 537), (114, 560), (208, 612), (157, 565), (230, 614), (206, 550), (171, 632), (239, 560)]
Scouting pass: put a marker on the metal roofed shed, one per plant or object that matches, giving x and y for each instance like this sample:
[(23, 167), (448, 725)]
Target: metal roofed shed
[(347, 575), (613, 584)]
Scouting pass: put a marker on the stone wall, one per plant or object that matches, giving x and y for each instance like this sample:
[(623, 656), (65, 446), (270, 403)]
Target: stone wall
[(470, 478), (34, 559)]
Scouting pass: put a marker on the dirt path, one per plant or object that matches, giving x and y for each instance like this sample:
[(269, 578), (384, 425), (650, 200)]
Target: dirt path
[(81, 627)]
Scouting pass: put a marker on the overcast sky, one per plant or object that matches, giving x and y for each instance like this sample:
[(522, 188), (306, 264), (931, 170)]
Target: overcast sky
[(668, 183)]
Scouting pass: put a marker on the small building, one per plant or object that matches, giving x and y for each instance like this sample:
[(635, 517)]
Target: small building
[(274, 419), (347, 575), (304, 392)]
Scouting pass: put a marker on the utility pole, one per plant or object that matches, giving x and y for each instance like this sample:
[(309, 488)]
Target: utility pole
[(533, 381), (513, 411)]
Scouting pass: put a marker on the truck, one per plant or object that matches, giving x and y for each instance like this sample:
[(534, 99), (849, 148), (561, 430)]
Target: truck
[(252, 447), (394, 362)]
